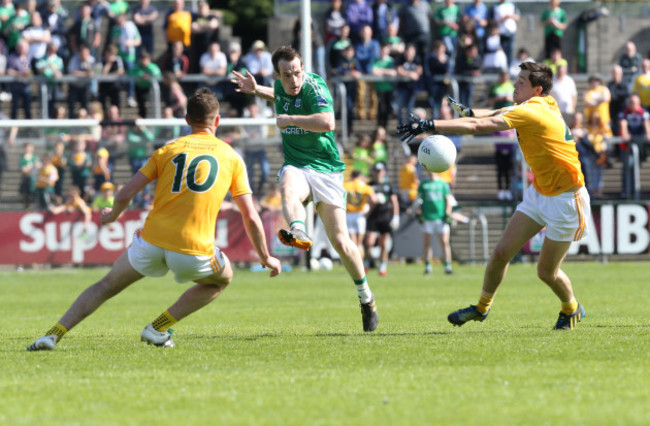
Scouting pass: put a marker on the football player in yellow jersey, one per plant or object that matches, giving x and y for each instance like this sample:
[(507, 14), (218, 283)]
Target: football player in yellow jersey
[(557, 199), (360, 197), (193, 174)]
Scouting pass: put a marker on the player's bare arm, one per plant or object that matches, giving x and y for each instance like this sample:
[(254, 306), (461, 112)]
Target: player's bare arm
[(123, 198), (471, 125), (255, 232), (484, 113), (319, 122), (247, 84)]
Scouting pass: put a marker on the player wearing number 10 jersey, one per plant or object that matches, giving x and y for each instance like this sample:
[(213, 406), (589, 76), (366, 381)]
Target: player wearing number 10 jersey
[(193, 175)]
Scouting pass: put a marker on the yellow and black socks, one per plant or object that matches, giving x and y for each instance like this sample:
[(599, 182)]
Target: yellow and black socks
[(570, 307), (484, 302), (58, 330), (163, 322)]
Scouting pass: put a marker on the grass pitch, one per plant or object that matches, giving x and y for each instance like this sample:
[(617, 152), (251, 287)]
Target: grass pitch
[(290, 351)]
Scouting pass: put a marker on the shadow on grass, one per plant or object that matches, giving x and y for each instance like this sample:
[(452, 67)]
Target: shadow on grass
[(307, 335)]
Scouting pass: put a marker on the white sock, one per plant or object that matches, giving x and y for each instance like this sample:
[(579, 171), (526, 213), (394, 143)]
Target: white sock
[(383, 266), (363, 290), (297, 224)]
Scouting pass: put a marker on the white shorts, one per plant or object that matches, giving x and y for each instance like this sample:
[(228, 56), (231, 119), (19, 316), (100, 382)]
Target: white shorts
[(565, 215), (437, 227), (356, 223), (153, 261), (324, 187)]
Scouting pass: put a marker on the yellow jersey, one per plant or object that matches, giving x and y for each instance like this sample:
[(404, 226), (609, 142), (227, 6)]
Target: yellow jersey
[(359, 193), (194, 174), (642, 88), (76, 203), (408, 180), (46, 176), (448, 175), (547, 144), (179, 27), (594, 95)]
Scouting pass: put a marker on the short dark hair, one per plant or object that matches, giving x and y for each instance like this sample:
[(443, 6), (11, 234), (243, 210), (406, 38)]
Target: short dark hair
[(202, 106), (284, 53), (540, 75)]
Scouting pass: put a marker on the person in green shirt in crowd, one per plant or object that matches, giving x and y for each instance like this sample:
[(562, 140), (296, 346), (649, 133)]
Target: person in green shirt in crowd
[(29, 164), (16, 22), (555, 22), (126, 37), (51, 67), (146, 71), (447, 19), (379, 148), (139, 140), (434, 204), (361, 158), (105, 197), (384, 66), (7, 10), (313, 170)]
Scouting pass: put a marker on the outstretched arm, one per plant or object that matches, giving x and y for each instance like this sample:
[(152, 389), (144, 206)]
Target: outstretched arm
[(255, 232), (123, 198), (247, 84), (471, 125), (484, 113)]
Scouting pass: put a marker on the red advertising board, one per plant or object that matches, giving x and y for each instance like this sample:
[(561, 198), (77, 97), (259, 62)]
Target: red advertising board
[(40, 237)]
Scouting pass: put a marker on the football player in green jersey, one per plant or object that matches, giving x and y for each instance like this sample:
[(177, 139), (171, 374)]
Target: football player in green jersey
[(312, 170)]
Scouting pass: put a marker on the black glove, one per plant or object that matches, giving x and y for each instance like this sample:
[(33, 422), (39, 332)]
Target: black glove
[(414, 127), (461, 110)]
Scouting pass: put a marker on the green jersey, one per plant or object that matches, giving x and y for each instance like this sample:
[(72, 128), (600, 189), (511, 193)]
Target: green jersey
[(433, 194), (447, 14), (559, 15), (303, 148), (151, 70), (386, 63), (499, 90)]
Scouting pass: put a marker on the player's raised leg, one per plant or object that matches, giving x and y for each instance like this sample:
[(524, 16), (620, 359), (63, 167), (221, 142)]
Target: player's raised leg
[(335, 225), (118, 278), (520, 229), (548, 270), (294, 189)]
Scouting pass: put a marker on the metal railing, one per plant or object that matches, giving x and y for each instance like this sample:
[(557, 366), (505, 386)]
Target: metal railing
[(478, 217)]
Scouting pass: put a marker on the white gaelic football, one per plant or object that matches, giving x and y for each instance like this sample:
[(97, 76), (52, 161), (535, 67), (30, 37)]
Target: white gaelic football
[(326, 263), (437, 153)]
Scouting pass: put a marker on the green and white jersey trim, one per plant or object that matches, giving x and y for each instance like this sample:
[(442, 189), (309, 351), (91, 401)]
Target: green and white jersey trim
[(303, 148)]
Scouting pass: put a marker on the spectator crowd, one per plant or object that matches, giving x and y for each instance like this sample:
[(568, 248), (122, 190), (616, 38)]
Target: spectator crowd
[(410, 47)]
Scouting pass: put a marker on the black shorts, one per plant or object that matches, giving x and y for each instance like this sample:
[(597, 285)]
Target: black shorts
[(378, 224)]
